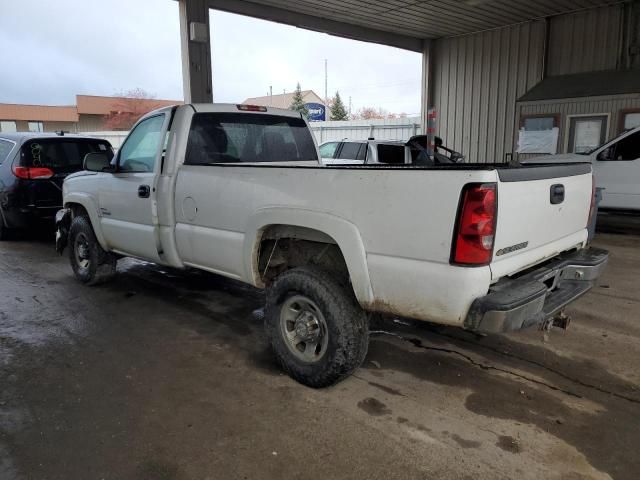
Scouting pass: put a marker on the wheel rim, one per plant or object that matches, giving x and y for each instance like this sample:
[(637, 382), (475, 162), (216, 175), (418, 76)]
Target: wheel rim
[(81, 250), (304, 328)]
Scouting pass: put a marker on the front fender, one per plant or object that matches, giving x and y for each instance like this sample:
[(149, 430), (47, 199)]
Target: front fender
[(344, 233), (88, 203)]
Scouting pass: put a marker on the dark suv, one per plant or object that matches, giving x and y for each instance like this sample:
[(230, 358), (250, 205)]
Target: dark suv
[(32, 169)]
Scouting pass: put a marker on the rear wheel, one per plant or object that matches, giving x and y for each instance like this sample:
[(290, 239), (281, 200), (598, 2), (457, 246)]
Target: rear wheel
[(90, 263), (317, 329)]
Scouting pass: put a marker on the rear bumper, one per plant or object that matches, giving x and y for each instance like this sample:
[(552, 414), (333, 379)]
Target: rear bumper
[(538, 295), (23, 217)]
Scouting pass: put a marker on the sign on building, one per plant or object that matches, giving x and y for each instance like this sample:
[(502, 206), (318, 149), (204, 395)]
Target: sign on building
[(317, 112)]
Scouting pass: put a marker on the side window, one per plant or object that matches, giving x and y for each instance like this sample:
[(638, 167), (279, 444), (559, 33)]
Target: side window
[(626, 149), (328, 150), (139, 152), (5, 147), (350, 151)]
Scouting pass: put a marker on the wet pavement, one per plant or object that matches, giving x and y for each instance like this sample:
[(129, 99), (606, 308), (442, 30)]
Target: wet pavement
[(166, 375)]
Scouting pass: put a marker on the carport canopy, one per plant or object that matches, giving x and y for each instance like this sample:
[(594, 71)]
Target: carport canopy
[(406, 24)]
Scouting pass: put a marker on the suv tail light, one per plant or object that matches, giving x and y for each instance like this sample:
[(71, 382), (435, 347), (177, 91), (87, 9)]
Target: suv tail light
[(476, 225), (33, 173)]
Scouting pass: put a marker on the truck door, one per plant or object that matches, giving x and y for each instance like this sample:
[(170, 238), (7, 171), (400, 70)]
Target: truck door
[(617, 170), (127, 197)]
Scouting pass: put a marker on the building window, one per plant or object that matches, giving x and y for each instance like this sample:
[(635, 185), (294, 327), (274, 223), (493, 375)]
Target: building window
[(8, 126), (36, 127), (587, 132), (539, 133), (629, 119)]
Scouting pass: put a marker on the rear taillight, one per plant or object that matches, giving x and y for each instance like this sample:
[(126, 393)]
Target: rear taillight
[(476, 225), (33, 173), (593, 200)]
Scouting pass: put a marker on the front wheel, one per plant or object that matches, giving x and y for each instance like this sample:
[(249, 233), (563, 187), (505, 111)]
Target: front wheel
[(317, 330), (90, 263)]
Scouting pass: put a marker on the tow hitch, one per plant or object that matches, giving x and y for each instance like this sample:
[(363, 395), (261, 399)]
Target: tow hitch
[(559, 320)]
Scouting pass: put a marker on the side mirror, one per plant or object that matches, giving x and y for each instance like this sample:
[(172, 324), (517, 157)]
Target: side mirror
[(437, 142), (96, 162)]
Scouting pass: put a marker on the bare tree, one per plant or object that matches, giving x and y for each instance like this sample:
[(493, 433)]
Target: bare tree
[(370, 113), (128, 107)]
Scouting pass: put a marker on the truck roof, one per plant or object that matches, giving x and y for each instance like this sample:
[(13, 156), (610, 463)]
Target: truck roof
[(243, 108), (228, 108)]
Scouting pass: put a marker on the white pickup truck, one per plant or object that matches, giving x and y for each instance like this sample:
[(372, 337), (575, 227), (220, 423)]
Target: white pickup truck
[(239, 190)]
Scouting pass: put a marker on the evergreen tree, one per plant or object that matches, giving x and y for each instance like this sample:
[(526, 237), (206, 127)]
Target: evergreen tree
[(297, 103), (338, 110)]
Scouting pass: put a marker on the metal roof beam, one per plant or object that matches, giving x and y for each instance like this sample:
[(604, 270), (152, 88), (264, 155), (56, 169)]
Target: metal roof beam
[(318, 24)]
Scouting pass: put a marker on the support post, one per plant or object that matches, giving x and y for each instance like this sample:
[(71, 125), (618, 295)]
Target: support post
[(196, 51), (426, 102)]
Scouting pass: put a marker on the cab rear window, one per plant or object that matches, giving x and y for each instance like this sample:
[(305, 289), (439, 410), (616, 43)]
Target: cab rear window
[(64, 155), (248, 138)]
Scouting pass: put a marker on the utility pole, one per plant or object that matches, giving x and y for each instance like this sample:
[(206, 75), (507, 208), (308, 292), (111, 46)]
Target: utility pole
[(349, 106), (271, 95), (326, 96)]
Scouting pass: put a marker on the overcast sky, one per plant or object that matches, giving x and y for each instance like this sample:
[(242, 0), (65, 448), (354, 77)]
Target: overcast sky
[(54, 50)]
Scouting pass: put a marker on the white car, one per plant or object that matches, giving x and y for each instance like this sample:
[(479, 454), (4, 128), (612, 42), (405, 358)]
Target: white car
[(616, 167), (239, 190), (413, 152), (358, 152)]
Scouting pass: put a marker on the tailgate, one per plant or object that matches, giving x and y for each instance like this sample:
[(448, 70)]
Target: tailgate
[(542, 211)]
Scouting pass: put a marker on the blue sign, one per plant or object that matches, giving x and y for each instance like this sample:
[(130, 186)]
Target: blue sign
[(316, 112)]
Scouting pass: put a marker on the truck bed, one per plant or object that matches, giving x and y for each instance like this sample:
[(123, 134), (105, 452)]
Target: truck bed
[(399, 225)]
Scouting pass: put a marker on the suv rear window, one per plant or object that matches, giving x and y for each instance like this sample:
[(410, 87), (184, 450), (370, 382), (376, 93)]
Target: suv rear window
[(5, 148), (393, 154), (62, 155), (246, 137)]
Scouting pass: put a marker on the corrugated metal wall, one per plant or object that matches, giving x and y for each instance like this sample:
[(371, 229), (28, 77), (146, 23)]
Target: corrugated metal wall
[(611, 105), (478, 80), (585, 41), (479, 77)]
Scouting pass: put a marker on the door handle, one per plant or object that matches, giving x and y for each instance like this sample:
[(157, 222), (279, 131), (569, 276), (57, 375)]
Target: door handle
[(557, 194), (144, 191)]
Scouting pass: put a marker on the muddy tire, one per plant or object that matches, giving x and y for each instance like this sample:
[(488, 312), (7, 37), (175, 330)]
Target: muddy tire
[(90, 263), (315, 326)]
